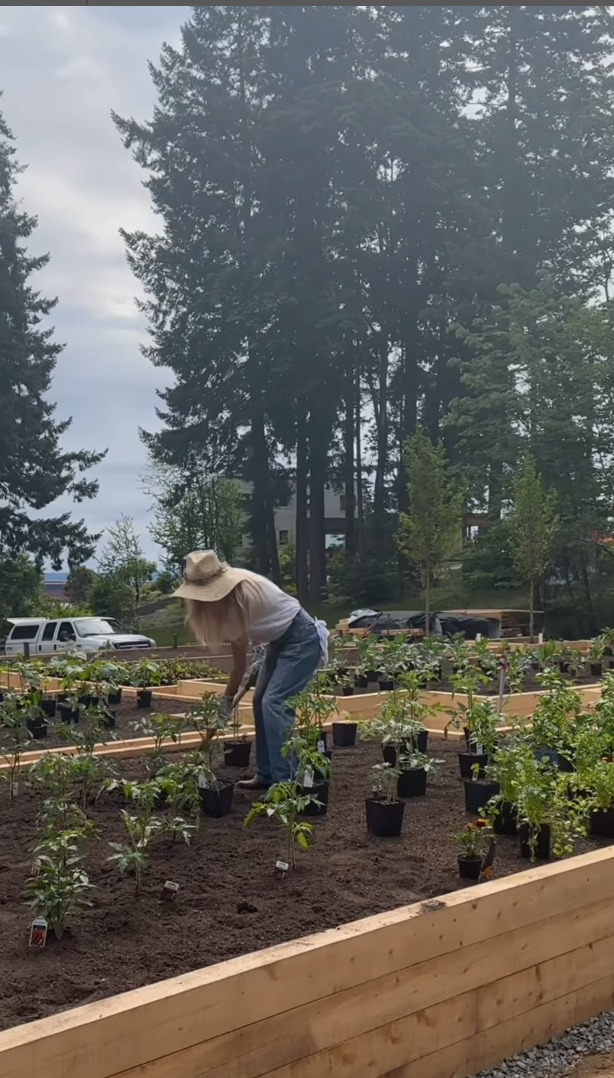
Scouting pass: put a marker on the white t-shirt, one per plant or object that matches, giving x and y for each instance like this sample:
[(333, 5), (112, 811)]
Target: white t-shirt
[(269, 619)]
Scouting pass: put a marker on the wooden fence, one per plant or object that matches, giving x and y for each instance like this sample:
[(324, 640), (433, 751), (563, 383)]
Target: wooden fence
[(440, 989)]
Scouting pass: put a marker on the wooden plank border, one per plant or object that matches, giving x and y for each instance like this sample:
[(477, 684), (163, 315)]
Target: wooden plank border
[(439, 989)]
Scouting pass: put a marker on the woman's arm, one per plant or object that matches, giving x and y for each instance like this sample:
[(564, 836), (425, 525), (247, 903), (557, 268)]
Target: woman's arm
[(239, 666)]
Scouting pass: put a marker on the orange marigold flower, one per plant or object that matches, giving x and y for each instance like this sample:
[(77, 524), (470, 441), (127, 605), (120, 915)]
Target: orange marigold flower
[(481, 823)]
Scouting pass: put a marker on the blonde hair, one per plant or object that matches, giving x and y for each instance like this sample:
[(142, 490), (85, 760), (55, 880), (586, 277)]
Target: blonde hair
[(227, 620)]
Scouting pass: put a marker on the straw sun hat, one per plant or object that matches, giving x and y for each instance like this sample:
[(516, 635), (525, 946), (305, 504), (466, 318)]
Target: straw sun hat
[(207, 579)]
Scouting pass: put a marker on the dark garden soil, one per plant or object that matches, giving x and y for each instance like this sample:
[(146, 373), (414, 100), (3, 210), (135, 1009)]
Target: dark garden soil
[(231, 901)]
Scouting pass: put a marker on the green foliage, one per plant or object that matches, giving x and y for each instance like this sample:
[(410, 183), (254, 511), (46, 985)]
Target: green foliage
[(533, 525), (364, 579), (59, 888), (194, 510), (34, 470), (122, 560), (430, 532)]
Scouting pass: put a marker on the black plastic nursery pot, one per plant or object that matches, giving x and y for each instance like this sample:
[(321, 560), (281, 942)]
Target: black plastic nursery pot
[(68, 714), (114, 698), (602, 823), (344, 734), (373, 676), (217, 803), (469, 868), (505, 821), (109, 720), (412, 783), (542, 844), (478, 794), (237, 753), (144, 698), (547, 754), (386, 685), (384, 818), (319, 791), (596, 669), (361, 681), (347, 690), (468, 760), (89, 701), (48, 708), (38, 728)]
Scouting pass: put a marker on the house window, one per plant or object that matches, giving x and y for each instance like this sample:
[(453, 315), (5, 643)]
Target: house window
[(283, 501), (283, 538)]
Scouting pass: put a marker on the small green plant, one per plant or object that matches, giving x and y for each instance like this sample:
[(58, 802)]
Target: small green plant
[(142, 829), (161, 728), (384, 779), (284, 803), (179, 787), (13, 722), (59, 887), (417, 761), (210, 719)]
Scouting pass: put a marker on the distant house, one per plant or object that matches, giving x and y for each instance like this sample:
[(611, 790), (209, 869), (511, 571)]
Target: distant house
[(285, 516)]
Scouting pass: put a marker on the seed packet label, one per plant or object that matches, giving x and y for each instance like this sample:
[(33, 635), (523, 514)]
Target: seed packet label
[(14, 789), (202, 781), (169, 890), (38, 932), (479, 748), (308, 778), (540, 638), (321, 746), (282, 866)]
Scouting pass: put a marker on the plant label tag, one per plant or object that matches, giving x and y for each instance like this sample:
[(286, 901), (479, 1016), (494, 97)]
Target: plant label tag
[(38, 932), (321, 747), (478, 637), (308, 778), (540, 638), (169, 891), (479, 748), (14, 789), (282, 866), (202, 781)]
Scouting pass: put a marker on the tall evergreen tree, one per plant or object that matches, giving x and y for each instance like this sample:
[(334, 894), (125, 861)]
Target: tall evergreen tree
[(34, 471)]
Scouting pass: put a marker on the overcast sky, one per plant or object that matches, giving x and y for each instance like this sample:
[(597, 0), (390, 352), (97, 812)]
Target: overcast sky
[(62, 70)]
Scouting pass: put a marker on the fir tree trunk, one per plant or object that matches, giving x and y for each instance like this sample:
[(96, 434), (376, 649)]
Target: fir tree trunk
[(302, 520), (317, 482), (348, 463), (531, 610), (427, 603), (359, 488), (379, 491)]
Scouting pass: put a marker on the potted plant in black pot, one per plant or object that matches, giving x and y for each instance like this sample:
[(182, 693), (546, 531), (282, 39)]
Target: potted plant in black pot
[(414, 768), (145, 676), (237, 751), (344, 730), (384, 809), (504, 770), (549, 820), (552, 722), (211, 720), (473, 843), (597, 786), (311, 771)]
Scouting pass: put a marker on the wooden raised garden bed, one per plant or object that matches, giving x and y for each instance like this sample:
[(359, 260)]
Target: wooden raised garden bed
[(439, 989)]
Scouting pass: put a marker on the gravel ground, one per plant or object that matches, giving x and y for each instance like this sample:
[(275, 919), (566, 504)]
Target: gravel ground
[(577, 1047)]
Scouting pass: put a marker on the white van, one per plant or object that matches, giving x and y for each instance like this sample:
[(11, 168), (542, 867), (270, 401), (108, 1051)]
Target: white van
[(88, 635)]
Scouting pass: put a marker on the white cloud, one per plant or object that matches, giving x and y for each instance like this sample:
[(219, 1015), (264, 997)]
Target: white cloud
[(63, 71)]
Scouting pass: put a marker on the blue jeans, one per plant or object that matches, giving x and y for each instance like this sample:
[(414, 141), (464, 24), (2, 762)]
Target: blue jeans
[(288, 668)]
